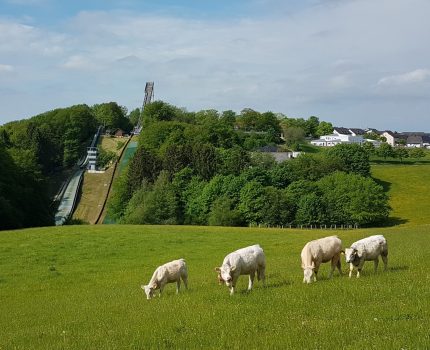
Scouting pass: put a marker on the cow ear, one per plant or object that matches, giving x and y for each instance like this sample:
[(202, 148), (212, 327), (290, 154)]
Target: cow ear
[(217, 269), (359, 252), (233, 268), (153, 285)]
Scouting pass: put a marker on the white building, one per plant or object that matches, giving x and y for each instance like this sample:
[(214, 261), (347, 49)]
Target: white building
[(340, 135)]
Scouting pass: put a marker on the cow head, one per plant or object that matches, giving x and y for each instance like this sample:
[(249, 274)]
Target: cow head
[(219, 278), (225, 274), (149, 291), (307, 274), (351, 255)]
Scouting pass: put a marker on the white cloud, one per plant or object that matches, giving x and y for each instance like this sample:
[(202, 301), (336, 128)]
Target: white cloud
[(6, 68), (322, 60), (415, 76), (78, 62)]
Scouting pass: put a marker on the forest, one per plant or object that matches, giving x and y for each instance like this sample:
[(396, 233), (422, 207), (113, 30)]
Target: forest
[(34, 151), (207, 168)]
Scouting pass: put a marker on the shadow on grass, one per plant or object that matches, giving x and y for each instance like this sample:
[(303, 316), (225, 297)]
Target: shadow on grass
[(398, 162), (398, 268), (394, 221), (385, 184)]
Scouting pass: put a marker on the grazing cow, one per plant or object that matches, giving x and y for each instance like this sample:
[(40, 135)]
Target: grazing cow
[(245, 261), (366, 249), (320, 251), (170, 272)]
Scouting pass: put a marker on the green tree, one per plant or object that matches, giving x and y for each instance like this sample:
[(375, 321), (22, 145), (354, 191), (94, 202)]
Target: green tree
[(223, 213), (401, 153), (416, 153), (312, 124), (134, 116), (353, 158), (324, 128), (353, 199), (385, 150), (310, 210), (153, 204), (112, 116), (293, 135), (369, 147), (252, 202)]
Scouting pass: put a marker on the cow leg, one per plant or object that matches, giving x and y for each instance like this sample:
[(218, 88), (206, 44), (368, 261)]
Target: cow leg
[(251, 280), (359, 268), (232, 289), (178, 285), (339, 267), (185, 279), (334, 262), (351, 268), (385, 260), (316, 273), (262, 274), (376, 263)]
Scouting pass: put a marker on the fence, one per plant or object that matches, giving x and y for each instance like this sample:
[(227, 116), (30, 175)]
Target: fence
[(309, 227)]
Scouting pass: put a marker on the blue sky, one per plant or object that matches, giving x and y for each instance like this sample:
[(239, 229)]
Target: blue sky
[(356, 63)]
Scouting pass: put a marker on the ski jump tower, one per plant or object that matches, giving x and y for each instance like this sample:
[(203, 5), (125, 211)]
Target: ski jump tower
[(149, 97)]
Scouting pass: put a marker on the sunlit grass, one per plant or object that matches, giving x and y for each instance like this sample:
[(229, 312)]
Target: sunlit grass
[(78, 287), (409, 190)]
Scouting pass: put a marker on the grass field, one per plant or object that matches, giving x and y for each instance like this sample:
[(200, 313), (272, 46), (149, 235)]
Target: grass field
[(78, 287), (409, 190)]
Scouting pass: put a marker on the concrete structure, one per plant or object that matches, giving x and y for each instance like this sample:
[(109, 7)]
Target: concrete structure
[(92, 157)]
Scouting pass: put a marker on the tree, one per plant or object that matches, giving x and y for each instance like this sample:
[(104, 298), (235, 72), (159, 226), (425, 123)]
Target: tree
[(353, 199), (112, 116), (204, 160), (159, 110), (369, 147), (252, 202), (293, 135), (324, 128), (353, 158), (312, 125), (401, 153), (134, 116), (233, 160), (153, 204), (223, 213), (310, 210), (385, 150), (416, 153)]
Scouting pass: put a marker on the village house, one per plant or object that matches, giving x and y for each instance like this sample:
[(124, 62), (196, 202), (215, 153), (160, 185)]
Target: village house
[(343, 135)]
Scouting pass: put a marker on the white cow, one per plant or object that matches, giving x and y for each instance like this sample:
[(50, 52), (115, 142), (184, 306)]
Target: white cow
[(170, 272), (320, 251), (366, 249), (245, 261)]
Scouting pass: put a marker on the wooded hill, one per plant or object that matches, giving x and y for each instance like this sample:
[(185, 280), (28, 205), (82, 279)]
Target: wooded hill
[(202, 169), (35, 150)]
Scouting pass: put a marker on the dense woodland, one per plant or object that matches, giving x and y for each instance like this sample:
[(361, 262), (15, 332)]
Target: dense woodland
[(33, 150), (199, 168), (204, 168)]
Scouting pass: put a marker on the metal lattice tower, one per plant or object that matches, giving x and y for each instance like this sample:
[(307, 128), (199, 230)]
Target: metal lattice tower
[(149, 97)]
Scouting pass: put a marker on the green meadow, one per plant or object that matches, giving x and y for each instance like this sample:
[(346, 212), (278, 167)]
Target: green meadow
[(78, 287)]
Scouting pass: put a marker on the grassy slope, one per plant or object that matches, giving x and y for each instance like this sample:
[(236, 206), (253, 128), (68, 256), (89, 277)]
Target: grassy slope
[(78, 287), (95, 186), (409, 189)]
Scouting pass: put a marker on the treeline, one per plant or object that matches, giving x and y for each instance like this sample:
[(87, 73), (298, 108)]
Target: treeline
[(202, 169), (32, 150)]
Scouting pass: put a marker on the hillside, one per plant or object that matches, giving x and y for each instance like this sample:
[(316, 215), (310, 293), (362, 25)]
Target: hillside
[(78, 287), (408, 187)]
